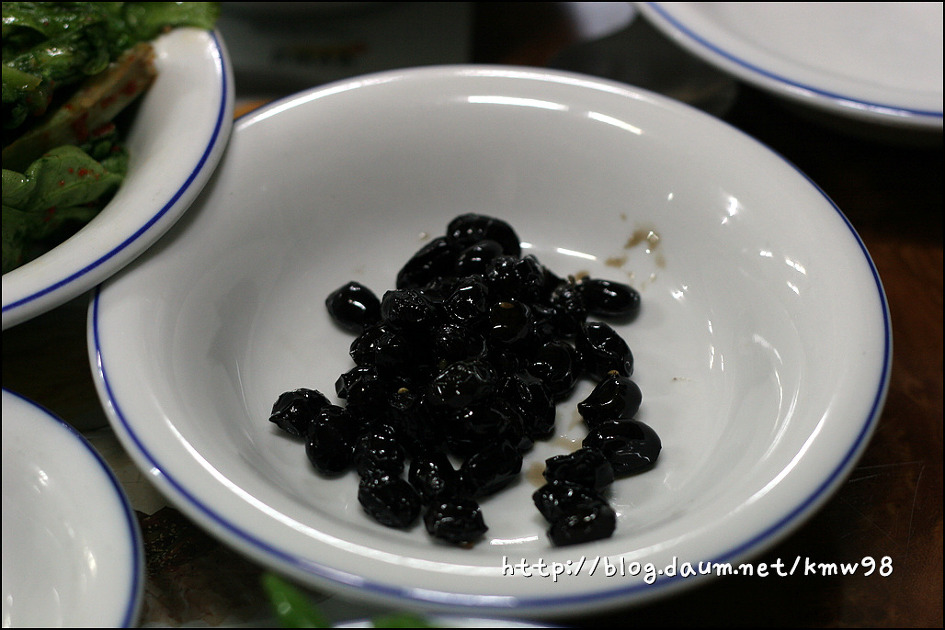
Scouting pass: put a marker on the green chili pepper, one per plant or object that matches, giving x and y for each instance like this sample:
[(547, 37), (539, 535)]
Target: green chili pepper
[(292, 607)]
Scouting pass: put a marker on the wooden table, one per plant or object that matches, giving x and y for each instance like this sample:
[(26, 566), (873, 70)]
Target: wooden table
[(891, 505)]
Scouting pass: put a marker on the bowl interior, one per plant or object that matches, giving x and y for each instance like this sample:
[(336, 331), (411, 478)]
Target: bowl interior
[(72, 551), (758, 367)]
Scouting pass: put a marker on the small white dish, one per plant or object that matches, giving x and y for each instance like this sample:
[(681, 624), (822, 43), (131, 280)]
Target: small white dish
[(179, 132), (763, 348), (72, 550), (875, 62)]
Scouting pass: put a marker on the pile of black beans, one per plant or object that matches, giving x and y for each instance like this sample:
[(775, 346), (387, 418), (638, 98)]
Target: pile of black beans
[(465, 361)]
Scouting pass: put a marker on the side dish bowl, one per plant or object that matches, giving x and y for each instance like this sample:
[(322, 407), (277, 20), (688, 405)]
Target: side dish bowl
[(72, 550), (176, 140), (878, 63), (763, 346)]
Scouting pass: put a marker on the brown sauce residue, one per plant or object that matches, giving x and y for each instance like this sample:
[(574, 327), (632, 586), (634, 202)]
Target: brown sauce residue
[(535, 474), (651, 239)]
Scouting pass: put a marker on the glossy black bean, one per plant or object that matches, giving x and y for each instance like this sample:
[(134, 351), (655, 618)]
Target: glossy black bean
[(394, 353), (466, 230), (491, 469), (432, 475), (472, 428), (504, 360), (379, 452), (343, 382), (463, 384), (475, 259), (353, 306), (365, 392), (390, 500), (534, 402), (509, 322), (330, 440), (586, 466), (556, 499), (532, 278), (294, 411), (559, 367), (606, 298), (451, 343), (468, 303), (409, 310), (629, 445), (586, 523), (512, 278), (457, 520), (616, 397), (602, 350), (569, 312), (434, 260)]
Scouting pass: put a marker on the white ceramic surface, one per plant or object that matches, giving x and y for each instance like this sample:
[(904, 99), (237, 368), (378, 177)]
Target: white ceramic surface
[(878, 62), (176, 140), (72, 550), (763, 348)]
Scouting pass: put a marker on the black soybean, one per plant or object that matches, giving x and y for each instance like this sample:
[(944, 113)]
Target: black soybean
[(456, 520), (354, 306), (379, 452), (294, 411), (586, 466), (390, 500), (534, 403), (432, 475), (614, 398), (558, 365), (431, 262), (468, 229), (475, 259), (465, 360), (462, 384), (630, 445), (330, 440), (605, 298), (491, 469), (558, 498), (602, 350), (586, 523)]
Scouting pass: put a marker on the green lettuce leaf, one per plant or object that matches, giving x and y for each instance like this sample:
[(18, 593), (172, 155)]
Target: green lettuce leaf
[(65, 187)]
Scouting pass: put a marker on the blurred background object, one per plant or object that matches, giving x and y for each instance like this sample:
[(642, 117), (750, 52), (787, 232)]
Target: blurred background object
[(279, 48)]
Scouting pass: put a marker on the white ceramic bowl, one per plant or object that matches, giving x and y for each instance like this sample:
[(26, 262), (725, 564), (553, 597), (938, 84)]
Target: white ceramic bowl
[(875, 62), (72, 550), (763, 347), (178, 135)]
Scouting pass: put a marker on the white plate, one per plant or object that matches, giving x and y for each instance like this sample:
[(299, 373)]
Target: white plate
[(878, 62), (763, 348), (176, 140), (72, 550)]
